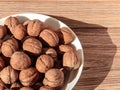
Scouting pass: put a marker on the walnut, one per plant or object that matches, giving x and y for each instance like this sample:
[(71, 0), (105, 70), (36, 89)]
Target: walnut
[(9, 47), (70, 60), (26, 88), (16, 85), (19, 32), (3, 31), (44, 63), (49, 37), (20, 60), (50, 51), (2, 63), (29, 76), (46, 88), (65, 35), (32, 45), (54, 78), (8, 75), (11, 22), (65, 48), (34, 27)]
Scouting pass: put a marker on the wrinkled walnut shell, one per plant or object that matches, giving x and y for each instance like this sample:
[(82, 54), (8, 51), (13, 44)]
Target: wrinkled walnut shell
[(11, 22), (70, 60), (20, 60), (54, 78), (34, 27), (19, 32), (44, 63), (32, 45), (65, 35), (50, 37), (9, 47), (28, 76), (8, 75)]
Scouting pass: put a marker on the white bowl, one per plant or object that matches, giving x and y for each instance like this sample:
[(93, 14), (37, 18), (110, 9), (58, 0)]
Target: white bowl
[(74, 75)]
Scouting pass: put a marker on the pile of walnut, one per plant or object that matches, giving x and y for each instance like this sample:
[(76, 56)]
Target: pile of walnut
[(33, 55)]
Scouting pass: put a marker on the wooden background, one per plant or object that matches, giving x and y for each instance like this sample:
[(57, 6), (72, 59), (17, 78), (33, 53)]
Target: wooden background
[(96, 23)]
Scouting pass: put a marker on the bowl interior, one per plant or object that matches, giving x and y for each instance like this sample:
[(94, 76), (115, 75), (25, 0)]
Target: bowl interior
[(73, 76)]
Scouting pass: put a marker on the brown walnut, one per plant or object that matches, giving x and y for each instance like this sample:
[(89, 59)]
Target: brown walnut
[(9, 47), (8, 75), (28, 76), (32, 45), (44, 63), (19, 32), (50, 37), (54, 78), (20, 60), (65, 35), (70, 60), (34, 27), (11, 22)]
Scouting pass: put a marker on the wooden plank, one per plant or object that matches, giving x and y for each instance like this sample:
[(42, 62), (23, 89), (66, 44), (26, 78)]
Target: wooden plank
[(103, 13)]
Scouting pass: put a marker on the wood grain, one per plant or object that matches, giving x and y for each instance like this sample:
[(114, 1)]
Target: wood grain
[(96, 23)]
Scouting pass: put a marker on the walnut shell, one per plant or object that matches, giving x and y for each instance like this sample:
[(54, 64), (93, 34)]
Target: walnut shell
[(3, 31), (50, 51), (16, 85), (8, 75), (34, 27), (2, 63), (9, 47), (20, 60), (65, 48), (11, 22), (65, 35), (70, 60), (46, 88), (26, 88), (54, 78), (28, 76), (44, 63), (32, 45), (50, 37), (19, 32)]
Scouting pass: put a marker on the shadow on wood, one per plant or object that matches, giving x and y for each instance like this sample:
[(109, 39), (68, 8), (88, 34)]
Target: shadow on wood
[(98, 49)]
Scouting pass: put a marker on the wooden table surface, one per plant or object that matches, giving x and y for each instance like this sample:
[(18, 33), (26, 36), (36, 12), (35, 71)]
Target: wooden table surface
[(96, 23)]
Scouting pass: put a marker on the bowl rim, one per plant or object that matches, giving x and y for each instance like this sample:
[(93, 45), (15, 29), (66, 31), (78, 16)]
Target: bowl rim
[(71, 86)]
